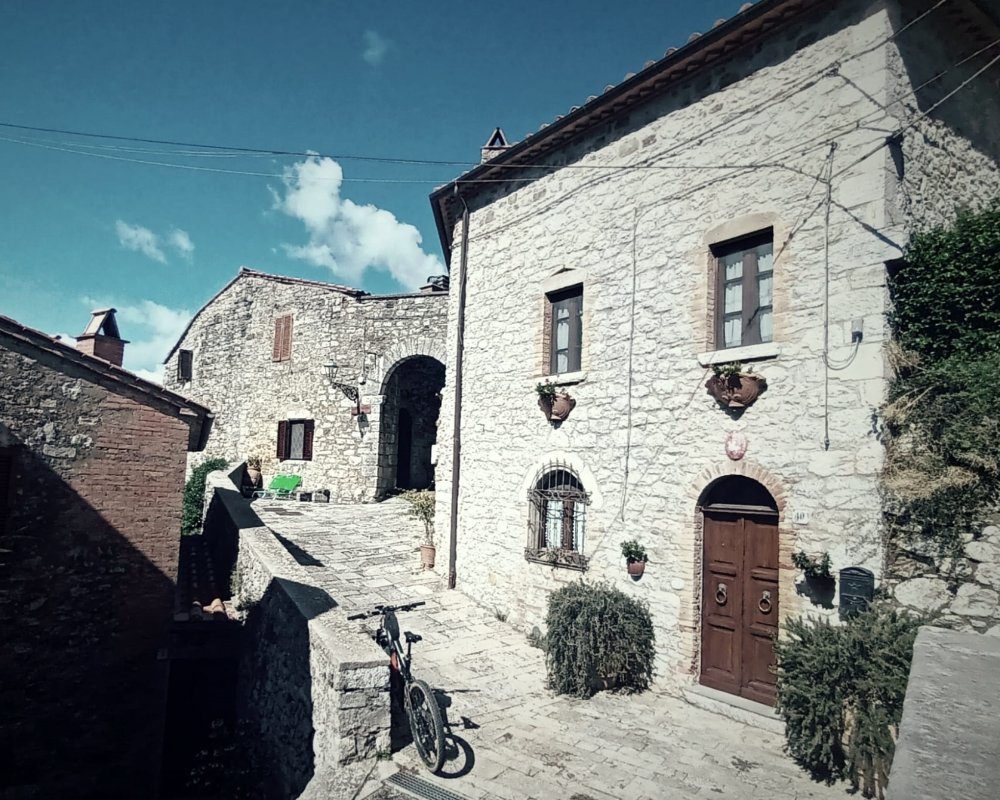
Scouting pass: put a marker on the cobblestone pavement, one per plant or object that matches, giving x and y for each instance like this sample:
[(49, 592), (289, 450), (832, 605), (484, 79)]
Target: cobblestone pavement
[(511, 738)]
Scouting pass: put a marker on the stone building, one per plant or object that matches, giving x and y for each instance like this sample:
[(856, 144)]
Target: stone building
[(92, 462), (734, 203), (331, 383)]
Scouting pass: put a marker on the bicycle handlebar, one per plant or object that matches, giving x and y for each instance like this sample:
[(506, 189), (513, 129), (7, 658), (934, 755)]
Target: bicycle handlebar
[(380, 610)]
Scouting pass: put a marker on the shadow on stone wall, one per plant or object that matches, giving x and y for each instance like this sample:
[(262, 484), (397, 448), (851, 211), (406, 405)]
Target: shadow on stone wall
[(83, 613), (275, 683)]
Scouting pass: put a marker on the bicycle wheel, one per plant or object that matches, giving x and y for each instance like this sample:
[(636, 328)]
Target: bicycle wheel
[(425, 724)]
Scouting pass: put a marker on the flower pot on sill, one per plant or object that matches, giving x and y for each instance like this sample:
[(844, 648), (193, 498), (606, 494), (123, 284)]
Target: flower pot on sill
[(556, 408), (636, 568), (427, 554), (736, 391)]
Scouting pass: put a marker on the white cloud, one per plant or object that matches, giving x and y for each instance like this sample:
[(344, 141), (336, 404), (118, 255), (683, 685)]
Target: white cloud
[(143, 240), (348, 238), (181, 242), (150, 328), (140, 239), (376, 46)]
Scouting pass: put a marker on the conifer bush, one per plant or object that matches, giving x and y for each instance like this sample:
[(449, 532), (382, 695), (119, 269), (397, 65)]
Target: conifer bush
[(194, 495), (840, 692), (597, 636)]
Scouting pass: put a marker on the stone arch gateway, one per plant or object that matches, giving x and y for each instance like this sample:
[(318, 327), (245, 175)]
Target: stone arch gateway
[(411, 402)]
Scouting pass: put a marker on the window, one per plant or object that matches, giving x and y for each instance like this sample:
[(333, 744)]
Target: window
[(557, 518), (565, 330), (282, 348), (295, 439), (744, 313), (185, 360)]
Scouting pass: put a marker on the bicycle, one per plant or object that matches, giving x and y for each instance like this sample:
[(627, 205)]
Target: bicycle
[(418, 699)]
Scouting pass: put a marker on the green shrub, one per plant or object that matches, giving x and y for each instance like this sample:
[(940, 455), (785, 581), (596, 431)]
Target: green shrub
[(194, 495), (840, 692), (597, 635), (942, 467)]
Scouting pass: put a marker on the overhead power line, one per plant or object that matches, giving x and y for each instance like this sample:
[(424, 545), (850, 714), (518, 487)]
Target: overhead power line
[(233, 150)]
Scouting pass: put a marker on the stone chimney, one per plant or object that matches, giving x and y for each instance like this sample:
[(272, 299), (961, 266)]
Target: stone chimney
[(496, 144), (101, 338), (435, 284)]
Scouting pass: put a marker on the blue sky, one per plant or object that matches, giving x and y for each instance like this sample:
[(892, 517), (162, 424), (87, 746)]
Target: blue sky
[(83, 224)]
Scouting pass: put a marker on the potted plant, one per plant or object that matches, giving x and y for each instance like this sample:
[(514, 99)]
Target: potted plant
[(556, 404), (422, 508), (820, 583), (635, 557), (733, 386), (253, 470)]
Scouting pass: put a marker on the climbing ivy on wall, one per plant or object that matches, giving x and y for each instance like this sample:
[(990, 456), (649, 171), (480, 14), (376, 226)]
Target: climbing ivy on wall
[(941, 419), (194, 495)]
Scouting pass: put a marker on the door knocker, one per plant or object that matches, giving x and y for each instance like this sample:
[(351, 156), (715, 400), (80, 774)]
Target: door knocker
[(765, 603), (721, 595)]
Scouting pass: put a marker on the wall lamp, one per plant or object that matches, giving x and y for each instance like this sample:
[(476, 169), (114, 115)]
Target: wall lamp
[(331, 369)]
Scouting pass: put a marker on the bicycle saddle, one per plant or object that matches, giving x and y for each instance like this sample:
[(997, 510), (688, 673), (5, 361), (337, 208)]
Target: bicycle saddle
[(412, 637)]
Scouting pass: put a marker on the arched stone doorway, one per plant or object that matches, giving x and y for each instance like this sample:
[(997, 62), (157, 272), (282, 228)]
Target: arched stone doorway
[(739, 608), (411, 400)]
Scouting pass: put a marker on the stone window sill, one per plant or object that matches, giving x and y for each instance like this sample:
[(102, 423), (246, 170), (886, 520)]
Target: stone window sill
[(555, 557), (752, 352), (564, 378)]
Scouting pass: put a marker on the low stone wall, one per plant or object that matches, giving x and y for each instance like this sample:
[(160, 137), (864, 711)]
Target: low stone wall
[(951, 719), (963, 593), (313, 690)]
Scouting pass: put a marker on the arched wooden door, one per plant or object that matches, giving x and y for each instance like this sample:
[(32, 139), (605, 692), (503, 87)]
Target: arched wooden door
[(739, 620)]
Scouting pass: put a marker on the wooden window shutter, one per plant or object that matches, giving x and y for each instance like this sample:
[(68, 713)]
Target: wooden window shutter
[(279, 336), (185, 362), (282, 440), (286, 344), (307, 440), (281, 350)]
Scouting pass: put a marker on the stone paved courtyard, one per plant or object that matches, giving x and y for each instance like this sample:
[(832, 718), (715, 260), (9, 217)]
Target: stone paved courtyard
[(511, 738)]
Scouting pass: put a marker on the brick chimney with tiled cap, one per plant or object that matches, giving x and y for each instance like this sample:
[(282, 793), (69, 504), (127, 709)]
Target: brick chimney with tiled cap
[(101, 338), (496, 144)]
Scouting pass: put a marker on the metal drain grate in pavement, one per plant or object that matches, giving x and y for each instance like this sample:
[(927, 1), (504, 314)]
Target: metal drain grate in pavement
[(418, 787)]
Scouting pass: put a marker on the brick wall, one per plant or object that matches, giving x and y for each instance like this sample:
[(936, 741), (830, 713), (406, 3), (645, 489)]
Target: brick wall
[(89, 562)]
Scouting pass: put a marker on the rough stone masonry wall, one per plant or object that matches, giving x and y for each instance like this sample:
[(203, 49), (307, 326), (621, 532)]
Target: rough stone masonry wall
[(234, 375), (645, 437), (314, 691), (89, 559), (949, 156)]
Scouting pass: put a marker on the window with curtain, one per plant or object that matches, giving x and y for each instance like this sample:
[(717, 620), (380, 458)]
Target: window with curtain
[(557, 518), (295, 439), (744, 310), (565, 330)]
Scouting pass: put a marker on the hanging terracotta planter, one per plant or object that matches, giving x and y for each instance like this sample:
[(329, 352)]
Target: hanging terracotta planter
[(556, 408), (636, 568), (736, 391)]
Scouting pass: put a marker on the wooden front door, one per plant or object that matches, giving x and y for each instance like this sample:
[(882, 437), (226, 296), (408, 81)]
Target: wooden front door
[(739, 617)]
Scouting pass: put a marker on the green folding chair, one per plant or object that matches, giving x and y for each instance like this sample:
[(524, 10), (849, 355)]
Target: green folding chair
[(281, 487)]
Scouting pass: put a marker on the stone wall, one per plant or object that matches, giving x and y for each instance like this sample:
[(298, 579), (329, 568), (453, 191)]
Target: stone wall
[(645, 438), (89, 558), (368, 337), (314, 690), (960, 593), (949, 156)]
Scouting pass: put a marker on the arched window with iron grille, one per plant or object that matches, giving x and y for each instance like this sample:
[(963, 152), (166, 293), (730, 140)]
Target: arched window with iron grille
[(557, 517)]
